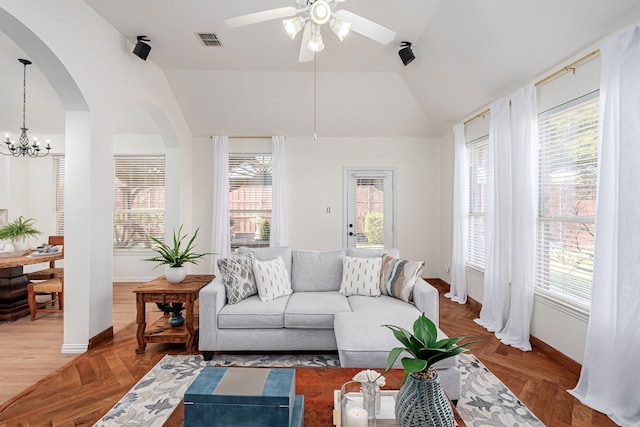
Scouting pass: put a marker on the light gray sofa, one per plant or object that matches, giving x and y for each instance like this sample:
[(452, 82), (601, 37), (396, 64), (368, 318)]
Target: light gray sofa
[(316, 317)]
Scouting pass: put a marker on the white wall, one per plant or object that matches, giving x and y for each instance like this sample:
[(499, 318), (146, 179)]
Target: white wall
[(561, 327), (94, 90), (314, 180)]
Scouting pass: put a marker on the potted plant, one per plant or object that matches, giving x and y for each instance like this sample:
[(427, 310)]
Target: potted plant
[(18, 231), (175, 310), (176, 256), (421, 390)]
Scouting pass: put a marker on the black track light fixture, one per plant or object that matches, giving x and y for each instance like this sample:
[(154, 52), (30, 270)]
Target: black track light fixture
[(142, 49), (406, 53)]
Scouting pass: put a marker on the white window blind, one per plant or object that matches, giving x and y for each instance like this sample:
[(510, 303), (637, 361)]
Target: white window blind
[(567, 204), (477, 152), (139, 201), (250, 199), (58, 194)]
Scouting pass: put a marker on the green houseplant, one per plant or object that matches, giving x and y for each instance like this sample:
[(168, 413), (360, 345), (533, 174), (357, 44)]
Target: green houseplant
[(177, 255), (18, 231), (421, 391)]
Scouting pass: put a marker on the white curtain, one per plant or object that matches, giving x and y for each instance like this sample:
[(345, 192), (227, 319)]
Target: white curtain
[(495, 302), (458, 290), (221, 234), (524, 182), (609, 381), (279, 216)]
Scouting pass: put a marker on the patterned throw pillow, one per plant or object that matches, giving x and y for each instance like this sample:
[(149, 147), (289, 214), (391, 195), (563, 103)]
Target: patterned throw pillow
[(361, 276), (237, 277), (272, 279), (399, 277)]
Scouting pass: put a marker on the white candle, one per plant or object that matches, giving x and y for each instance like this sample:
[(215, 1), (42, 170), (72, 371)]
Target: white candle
[(357, 417)]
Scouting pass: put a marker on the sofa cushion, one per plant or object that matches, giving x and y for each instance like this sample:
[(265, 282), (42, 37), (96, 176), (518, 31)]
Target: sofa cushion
[(314, 310), (316, 271), (269, 253), (237, 277), (361, 276), (371, 253), (399, 277), (381, 303), (364, 342), (253, 313), (272, 279)]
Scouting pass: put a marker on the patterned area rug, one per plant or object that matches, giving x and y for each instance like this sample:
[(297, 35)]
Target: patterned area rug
[(485, 400)]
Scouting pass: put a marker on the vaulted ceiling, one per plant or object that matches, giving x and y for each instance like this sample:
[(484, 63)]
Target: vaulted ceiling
[(468, 53)]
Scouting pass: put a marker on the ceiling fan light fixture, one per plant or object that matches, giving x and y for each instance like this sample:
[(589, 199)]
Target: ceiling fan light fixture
[(320, 12), (292, 26), (340, 28), (316, 44)]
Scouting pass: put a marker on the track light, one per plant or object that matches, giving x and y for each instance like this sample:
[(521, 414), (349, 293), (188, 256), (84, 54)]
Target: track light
[(293, 25), (141, 50), (406, 54), (340, 28)]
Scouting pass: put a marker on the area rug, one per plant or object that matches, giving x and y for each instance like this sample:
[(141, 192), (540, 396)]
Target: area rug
[(485, 400)]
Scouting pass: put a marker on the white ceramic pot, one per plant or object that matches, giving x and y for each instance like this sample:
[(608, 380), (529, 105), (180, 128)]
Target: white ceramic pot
[(20, 245), (176, 274)]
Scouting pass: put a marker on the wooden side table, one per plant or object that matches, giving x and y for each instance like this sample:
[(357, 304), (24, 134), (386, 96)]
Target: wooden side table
[(160, 290)]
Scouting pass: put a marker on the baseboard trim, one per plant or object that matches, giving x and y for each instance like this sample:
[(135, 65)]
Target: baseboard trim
[(73, 348), (101, 338), (536, 343)]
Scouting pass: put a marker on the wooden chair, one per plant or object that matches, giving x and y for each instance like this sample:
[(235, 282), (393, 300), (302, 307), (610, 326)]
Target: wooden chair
[(52, 271), (53, 288)]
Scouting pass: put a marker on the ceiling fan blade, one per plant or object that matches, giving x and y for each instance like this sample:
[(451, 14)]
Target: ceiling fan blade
[(366, 27), (266, 15), (305, 54)]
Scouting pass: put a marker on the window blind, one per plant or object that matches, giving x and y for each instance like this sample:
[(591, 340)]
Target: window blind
[(477, 152), (250, 199), (567, 200), (139, 201)]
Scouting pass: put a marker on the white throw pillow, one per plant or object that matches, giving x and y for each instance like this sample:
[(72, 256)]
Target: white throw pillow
[(272, 279), (361, 276)]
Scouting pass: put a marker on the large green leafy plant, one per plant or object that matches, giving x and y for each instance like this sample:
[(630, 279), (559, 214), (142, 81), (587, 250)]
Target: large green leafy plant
[(20, 228), (176, 255), (424, 346)]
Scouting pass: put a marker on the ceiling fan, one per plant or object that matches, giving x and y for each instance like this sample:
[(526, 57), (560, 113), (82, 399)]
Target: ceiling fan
[(309, 16)]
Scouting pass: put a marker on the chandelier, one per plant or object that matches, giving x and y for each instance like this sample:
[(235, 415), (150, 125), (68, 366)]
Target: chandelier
[(23, 147)]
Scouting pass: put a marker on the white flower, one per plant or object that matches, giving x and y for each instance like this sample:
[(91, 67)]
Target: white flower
[(369, 376)]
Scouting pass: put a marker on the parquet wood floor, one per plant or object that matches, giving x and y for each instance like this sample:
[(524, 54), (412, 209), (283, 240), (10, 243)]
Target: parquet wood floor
[(79, 391)]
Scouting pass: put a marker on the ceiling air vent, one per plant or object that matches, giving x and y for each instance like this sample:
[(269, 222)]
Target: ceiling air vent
[(209, 39)]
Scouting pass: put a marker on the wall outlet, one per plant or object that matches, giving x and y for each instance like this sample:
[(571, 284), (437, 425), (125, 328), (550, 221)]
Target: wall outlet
[(447, 268)]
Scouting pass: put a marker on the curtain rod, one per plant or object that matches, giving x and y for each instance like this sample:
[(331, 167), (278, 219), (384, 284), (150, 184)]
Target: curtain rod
[(571, 67), (247, 137)]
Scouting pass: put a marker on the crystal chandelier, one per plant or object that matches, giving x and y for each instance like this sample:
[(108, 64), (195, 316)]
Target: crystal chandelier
[(23, 147)]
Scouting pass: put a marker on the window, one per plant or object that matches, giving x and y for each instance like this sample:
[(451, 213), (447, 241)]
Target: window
[(477, 152), (139, 204), (58, 194), (567, 200), (250, 199)]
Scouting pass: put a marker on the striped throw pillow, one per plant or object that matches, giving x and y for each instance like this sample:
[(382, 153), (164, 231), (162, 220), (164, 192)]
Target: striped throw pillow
[(399, 276)]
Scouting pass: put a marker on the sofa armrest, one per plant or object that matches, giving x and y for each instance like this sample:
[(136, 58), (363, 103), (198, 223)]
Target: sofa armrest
[(426, 299), (212, 298)]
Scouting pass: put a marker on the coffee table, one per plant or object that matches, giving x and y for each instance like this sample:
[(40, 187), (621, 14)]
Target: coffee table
[(317, 385)]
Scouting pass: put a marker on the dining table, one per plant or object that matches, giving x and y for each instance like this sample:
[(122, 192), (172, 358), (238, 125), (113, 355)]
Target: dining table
[(13, 281)]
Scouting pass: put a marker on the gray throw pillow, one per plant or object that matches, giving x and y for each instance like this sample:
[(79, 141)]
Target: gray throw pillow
[(237, 277)]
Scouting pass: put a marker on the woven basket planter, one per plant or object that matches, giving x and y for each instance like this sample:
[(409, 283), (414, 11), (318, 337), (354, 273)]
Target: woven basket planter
[(423, 403)]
